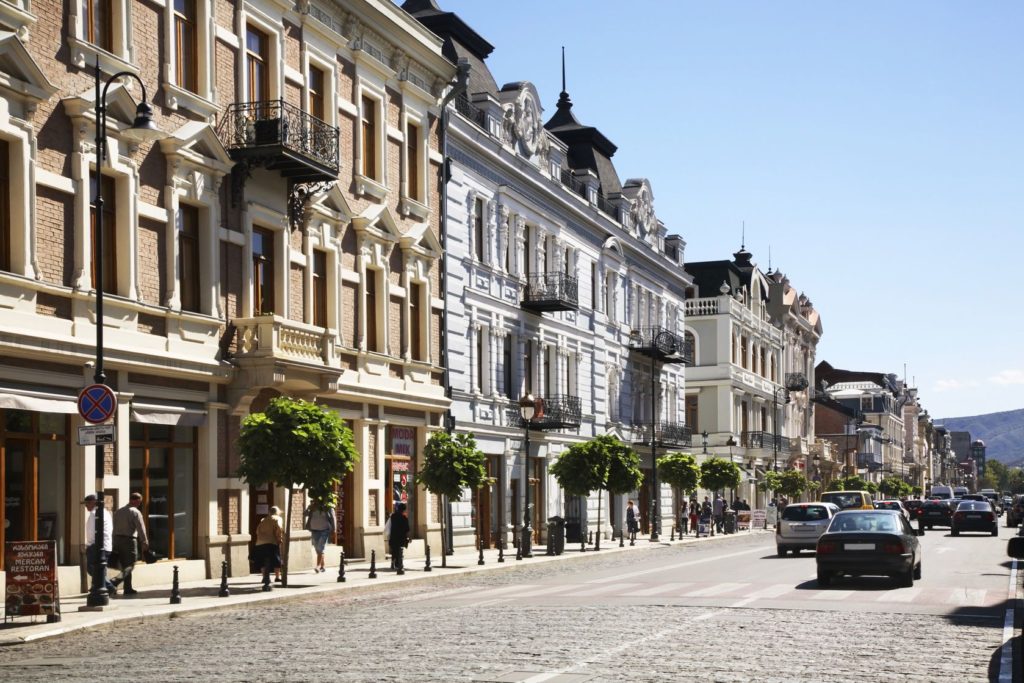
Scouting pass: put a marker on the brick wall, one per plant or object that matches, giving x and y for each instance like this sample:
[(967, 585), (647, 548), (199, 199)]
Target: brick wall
[(231, 279), (395, 325), (395, 266), (228, 427), (349, 246), (293, 95), (55, 233), (348, 313), (292, 45), (435, 337), (296, 277), (371, 451), (229, 511), (151, 261)]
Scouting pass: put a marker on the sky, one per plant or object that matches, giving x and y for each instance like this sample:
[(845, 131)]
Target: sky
[(875, 149)]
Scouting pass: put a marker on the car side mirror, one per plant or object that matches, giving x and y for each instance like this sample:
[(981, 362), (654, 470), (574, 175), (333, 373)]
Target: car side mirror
[(1015, 547)]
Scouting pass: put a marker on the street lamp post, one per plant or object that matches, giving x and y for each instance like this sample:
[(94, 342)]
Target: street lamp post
[(142, 130), (775, 437), (704, 440), (527, 407)]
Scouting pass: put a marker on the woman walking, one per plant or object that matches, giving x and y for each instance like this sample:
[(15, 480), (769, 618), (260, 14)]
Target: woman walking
[(321, 524), (267, 553)]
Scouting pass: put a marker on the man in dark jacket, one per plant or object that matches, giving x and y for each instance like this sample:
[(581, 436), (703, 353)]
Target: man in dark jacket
[(399, 536)]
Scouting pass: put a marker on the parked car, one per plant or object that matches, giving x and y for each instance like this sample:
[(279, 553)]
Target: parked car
[(1015, 513), (913, 507), (973, 515), (861, 542), (892, 505), (849, 500), (800, 526), (934, 513)]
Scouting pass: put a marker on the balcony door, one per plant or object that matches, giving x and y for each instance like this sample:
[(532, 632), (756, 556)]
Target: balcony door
[(257, 48)]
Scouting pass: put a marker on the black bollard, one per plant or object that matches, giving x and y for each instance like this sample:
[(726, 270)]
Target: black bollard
[(341, 568), (480, 545), (590, 537), (224, 592), (583, 543), (373, 564), (519, 553), (672, 536), (175, 593), (426, 565), (622, 537), (551, 545), (501, 551)]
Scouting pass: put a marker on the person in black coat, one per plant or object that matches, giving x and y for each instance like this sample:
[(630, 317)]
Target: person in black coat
[(398, 539)]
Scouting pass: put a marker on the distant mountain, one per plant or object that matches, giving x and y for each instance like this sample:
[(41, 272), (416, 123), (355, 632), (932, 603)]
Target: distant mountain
[(1003, 433)]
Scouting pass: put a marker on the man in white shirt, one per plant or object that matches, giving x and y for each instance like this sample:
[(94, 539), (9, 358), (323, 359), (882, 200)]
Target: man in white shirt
[(91, 559)]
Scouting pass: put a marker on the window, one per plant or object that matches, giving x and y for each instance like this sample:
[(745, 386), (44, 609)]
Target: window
[(262, 271), (478, 229), (162, 467), (370, 308), (568, 261), (866, 404), (595, 287), (690, 348), (412, 151), (609, 301), (320, 288), (692, 412), (185, 46), (506, 367), (480, 358), (257, 48), (5, 207), (528, 367), (743, 353), (109, 250), (527, 253), (415, 322), (97, 23), (316, 92), (369, 143), (188, 257)]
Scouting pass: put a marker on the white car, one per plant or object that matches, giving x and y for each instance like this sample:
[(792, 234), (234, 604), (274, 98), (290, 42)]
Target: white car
[(801, 524)]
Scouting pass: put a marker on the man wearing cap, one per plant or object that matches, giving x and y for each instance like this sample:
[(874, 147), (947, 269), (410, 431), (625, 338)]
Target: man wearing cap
[(91, 558), (128, 525)]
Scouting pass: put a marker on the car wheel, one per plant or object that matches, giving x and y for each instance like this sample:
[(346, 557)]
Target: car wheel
[(781, 551), (796, 551), (954, 532), (823, 578), (995, 530), (917, 571), (906, 579)]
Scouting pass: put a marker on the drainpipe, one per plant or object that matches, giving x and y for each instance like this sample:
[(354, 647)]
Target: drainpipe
[(458, 87)]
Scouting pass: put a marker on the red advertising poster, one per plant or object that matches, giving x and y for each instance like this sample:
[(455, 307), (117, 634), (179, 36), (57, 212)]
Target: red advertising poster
[(31, 579)]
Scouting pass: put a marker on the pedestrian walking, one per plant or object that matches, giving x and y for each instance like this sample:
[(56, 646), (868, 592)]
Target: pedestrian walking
[(269, 537), (694, 515), (93, 554), (706, 517), (683, 519), (321, 524), (130, 540), (398, 539), (632, 520), (719, 511)]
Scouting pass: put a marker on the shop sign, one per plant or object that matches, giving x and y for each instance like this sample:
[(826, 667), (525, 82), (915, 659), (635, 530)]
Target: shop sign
[(758, 519), (400, 481), (90, 435), (403, 441), (743, 519), (31, 580)]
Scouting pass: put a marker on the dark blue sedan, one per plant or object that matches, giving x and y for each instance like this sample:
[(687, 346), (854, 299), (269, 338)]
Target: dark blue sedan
[(869, 542)]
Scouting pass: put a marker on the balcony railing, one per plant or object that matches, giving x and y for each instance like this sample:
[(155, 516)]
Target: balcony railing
[(796, 381), (280, 136), (606, 206), (872, 461), (470, 111), (551, 292), (708, 305), (551, 412), (661, 343), (270, 336), (666, 433), (573, 183), (774, 442)]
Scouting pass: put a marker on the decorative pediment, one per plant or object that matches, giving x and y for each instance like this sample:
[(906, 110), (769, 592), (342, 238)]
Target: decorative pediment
[(612, 247), (121, 107), (20, 76), (331, 204), (522, 123), (420, 238), (197, 143), (376, 221)]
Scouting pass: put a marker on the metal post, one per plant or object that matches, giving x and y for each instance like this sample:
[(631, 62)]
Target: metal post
[(622, 537), (655, 502), (501, 550), (341, 568), (224, 591), (526, 544), (480, 546), (266, 581), (175, 593), (373, 564)]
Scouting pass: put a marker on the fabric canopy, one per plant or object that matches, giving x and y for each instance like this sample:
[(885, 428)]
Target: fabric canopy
[(38, 402), (174, 415)]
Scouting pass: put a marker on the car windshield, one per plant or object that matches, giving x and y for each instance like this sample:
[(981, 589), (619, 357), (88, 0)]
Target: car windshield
[(864, 522), (804, 513), (844, 500)]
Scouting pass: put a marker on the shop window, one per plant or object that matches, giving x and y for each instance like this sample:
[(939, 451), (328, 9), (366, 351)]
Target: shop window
[(109, 233), (188, 257), (262, 271), (162, 467)]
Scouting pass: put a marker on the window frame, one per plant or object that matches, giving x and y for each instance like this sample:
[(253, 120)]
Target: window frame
[(110, 274), (369, 136), (189, 249), (264, 272), (118, 53), (319, 274), (416, 327), (371, 302)]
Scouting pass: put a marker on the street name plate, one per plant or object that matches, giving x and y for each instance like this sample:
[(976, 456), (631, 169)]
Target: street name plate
[(91, 435)]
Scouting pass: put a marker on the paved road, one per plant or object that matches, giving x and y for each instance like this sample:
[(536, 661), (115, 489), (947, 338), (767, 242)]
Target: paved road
[(728, 611)]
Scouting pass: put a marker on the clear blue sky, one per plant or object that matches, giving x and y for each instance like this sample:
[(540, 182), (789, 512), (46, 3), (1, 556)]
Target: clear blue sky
[(876, 147)]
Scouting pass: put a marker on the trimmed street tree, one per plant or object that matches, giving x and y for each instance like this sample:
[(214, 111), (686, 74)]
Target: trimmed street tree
[(680, 471), (718, 473), (772, 482), (602, 464), (792, 483), (451, 464), (894, 487), (296, 443), (854, 483)]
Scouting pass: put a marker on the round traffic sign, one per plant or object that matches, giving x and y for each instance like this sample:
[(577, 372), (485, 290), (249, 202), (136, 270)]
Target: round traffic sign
[(97, 403)]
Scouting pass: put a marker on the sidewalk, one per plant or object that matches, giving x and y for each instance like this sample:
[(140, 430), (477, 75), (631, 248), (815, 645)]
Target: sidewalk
[(203, 595)]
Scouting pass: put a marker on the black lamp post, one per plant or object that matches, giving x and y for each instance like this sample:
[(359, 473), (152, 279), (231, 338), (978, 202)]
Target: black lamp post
[(527, 407), (142, 130), (704, 440), (779, 391)]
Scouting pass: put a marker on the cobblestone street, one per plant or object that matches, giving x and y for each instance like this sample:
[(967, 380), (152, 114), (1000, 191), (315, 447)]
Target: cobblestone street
[(425, 633)]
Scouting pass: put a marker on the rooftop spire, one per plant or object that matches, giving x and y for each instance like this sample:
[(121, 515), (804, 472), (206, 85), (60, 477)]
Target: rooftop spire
[(563, 68)]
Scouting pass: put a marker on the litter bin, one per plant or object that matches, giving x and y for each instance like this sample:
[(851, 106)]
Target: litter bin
[(730, 521), (572, 529), (556, 535)]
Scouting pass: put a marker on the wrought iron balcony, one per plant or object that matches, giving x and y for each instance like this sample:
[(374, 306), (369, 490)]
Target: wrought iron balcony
[(774, 442), (471, 111), (666, 433), (661, 344), (550, 292), (282, 137), (551, 412), (796, 381)]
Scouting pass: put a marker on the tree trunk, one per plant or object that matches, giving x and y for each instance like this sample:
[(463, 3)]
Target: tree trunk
[(287, 538), (444, 534), (600, 499)]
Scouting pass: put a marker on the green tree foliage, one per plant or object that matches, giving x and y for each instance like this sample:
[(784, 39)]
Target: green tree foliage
[(792, 483), (679, 470), (296, 443), (854, 483), (452, 463), (603, 463), (999, 473), (894, 487), (718, 473), (771, 482)]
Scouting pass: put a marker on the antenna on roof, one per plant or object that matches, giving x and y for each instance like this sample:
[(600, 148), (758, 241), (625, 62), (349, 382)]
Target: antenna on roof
[(769, 258), (743, 239), (563, 68)]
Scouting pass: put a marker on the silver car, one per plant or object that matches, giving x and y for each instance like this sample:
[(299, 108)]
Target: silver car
[(801, 524)]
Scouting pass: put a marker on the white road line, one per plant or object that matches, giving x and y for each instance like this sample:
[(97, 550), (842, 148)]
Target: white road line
[(485, 594), (717, 589), (607, 588), (903, 595), (546, 590), (831, 595), (775, 591), (1006, 652), (677, 565), (660, 588)]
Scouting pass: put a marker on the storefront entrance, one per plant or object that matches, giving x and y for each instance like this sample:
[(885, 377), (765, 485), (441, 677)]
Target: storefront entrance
[(487, 505), (162, 467)]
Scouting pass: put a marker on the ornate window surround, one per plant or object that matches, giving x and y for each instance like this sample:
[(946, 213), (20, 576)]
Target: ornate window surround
[(203, 101)]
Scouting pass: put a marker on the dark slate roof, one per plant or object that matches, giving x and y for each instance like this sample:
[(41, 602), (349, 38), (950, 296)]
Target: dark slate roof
[(588, 147), (460, 42), (708, 276), (825, 372)]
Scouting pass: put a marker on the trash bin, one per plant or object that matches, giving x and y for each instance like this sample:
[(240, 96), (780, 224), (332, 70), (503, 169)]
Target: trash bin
[(556, 535), (730, 521), (572, 529)]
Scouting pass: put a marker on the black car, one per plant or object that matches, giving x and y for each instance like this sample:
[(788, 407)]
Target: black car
[(973, 515), (934, 513), (1015, 512), (869, 542), (913, 508)]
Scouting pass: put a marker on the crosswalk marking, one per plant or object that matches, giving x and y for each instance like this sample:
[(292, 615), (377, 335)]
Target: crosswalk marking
[(484, 594), (966, 596), (831, 595), (607, 588), (778, 590), (716, 590), (903, 595), (654, 590), (546, 590)]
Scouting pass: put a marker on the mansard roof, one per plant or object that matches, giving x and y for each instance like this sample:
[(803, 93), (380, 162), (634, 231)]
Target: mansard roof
[(460, 42), (708, 276), (824, 372), (588, 147)]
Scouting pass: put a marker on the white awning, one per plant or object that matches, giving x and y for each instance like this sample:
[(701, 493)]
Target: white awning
[(37, 401), (175, 415)]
